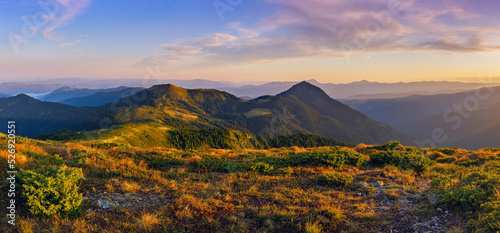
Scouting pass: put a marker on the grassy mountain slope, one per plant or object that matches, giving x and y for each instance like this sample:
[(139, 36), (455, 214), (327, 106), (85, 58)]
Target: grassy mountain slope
[(331, 189), (101, 98), (34, 117)]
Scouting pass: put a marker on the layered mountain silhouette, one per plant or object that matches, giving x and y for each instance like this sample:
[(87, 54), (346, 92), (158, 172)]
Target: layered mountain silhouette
[(65, 93), (304, 108), (35, 117), (102, 98), (468, 119)]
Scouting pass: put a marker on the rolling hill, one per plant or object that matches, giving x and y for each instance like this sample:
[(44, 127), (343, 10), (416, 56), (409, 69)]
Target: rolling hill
[(304, 108), (34, 117)]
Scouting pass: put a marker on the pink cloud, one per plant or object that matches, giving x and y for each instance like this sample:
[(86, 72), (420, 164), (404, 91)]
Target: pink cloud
[(68, 10)]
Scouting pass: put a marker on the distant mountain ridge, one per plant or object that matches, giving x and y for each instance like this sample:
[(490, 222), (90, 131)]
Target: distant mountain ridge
[(303, 108), (101, 98), (362, 89), (468, 119), (64, 93), (354, 90)]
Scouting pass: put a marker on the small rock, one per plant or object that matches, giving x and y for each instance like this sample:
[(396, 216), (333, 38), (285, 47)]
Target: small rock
[(379, 191), (323, 219), (83, 178), (446, 212), (415, 196), (378, 183), (403, 210), (396, 148), (384, 208), (363, 184), (103, 204), (433, 198), (403, 200), (439, 209)]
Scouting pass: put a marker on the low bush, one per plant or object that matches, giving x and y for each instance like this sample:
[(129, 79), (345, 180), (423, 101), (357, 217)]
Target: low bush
[(111, 145), (210, 163), (468, 193), (52, 190), (335, 180), (335, 157), (446, 151), (489, 220), (388, 146), (404, 160), (261, 167)]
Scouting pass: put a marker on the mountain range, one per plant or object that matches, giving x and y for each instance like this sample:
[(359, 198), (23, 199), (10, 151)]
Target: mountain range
[(467, 119), (304, 108), (355, 90)]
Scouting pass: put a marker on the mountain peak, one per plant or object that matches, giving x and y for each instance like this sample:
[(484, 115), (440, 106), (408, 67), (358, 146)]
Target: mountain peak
[(162, 89), (304, 89), (23, 98)]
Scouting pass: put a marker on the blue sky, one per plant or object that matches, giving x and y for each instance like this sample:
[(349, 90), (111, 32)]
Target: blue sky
[(241, 40)]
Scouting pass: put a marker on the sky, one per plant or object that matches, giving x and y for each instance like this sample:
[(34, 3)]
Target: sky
[(334, 41)]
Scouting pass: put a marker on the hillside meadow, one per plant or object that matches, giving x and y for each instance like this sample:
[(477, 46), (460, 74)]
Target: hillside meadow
[(110, 187)]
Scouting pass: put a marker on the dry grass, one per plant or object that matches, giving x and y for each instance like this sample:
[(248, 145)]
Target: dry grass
[(147, 221), (80, 226), (193, 160), (313, 228), (78, 146), (209, 201), (130, 187), (26, 225), (360, 146), (20, 159), (27, 148)]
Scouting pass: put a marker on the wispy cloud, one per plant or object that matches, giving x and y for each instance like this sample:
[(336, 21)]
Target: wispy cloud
[(68, 10), (73, 43), (320, 28)]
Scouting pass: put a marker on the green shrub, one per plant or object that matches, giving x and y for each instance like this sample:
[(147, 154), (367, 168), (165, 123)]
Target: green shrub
[(161, 160), (211, 163), (106, 145), (491, 149), (489, 220), (274, 161), (285, 171), (261, 167), (388, 146), (335, 180), (446, 151), (468, 193), (51, 190), (404, 160), (335, 157), (367, 190)]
